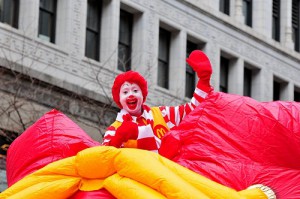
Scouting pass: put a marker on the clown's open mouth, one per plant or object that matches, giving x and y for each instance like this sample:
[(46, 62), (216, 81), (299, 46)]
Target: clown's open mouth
[(131, 103)]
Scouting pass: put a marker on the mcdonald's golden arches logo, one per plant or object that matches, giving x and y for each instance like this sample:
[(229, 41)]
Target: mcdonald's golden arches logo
[(160, 130)]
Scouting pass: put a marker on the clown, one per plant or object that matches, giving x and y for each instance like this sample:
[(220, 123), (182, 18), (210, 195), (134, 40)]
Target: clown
[(137, 121)]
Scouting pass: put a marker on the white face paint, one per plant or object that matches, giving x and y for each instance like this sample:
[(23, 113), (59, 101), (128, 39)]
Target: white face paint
[(131, 98)]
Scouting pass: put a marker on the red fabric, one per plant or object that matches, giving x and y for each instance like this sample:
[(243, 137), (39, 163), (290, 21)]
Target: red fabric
[(53, 137), (127, 131), (200, 63), (238, 142)]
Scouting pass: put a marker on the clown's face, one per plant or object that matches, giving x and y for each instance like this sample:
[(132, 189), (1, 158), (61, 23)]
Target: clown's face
[(131, 98)]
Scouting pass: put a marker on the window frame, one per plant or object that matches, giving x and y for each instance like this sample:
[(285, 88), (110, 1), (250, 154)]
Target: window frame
[(164, 62), (248, 73), (247, 11), (95, 31), (190, 75), (297, 94), (10, 12), (224, 74), (276, 6), (125, 43), (52, 26), (296, 24), (224, 6)]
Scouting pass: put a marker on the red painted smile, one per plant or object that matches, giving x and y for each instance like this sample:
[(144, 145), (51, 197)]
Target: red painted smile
[(131, 102)]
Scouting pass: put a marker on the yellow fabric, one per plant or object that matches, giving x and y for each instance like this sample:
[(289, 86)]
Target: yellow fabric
[(126, 173), (159, 124), (116, 124), (158, 118)]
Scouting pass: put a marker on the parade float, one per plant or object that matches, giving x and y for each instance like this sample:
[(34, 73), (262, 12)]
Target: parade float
[(227, 144)]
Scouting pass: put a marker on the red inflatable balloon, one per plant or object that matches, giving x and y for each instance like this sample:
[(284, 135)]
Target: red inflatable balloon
[(53, 137), (238, 142)]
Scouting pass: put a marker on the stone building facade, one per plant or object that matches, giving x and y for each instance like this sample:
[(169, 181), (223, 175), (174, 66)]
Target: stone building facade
[(65, 54)]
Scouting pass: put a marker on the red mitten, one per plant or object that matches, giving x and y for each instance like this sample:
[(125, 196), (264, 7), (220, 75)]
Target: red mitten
[(127, 131), (201, 65)]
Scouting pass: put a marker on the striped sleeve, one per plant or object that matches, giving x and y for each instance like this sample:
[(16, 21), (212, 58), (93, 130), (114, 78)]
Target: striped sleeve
[(173, 115), (110, 133)]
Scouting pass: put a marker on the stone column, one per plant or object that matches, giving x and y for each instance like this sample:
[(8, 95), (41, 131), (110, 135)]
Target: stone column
[(29, 17), (238, 14), (286, 24), (70, 26), (177, 63), (236, 76), (110, 34), (262, 17)]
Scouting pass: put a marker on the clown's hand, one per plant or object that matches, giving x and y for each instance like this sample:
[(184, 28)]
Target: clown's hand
[(127, 131), (201, 65)]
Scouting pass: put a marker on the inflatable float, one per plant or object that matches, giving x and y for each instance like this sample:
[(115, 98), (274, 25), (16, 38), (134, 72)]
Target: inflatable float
[(224, 146)]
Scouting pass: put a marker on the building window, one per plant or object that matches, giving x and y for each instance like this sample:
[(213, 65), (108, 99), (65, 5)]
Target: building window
[(247, 12), (280, 89), (247, 82), (297, 95), (276, 20), (163, 58), (9, 12), (224, 72), (224, 6), (190, 74), (296, 24), (47, 20), (125, 41), (276, 90), (93, 25)]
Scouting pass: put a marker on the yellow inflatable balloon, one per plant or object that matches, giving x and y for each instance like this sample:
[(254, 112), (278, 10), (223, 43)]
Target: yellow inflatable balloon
[(125, 173)]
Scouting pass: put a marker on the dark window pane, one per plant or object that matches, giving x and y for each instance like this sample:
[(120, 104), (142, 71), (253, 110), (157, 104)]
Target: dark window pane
[(124, 55), (163, 74), (48, 5), (47, 20), (91, 43), (93, 16), (93, 24), (276, 20), (164, 44), (190, 73), (224, 69), (9, 12), (125, 40), (225, 6), (276, 90), (247, 11), (296, 24), (247, 82), (297, 96), (126, 20), (45, 24), (163, 58), (189, 84)]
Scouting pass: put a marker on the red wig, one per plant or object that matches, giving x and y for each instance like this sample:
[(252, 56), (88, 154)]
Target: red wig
[(131, 77)]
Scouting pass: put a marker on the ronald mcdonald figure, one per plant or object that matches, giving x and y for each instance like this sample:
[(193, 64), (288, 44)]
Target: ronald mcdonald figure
[(137, 121)]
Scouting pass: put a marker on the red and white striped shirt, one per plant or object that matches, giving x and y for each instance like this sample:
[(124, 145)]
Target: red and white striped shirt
[(149, 137)]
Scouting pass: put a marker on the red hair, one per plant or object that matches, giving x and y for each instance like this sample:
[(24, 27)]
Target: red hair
[(131, 77)]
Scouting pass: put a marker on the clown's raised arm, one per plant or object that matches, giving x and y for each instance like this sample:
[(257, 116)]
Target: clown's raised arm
[(147, 125)]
